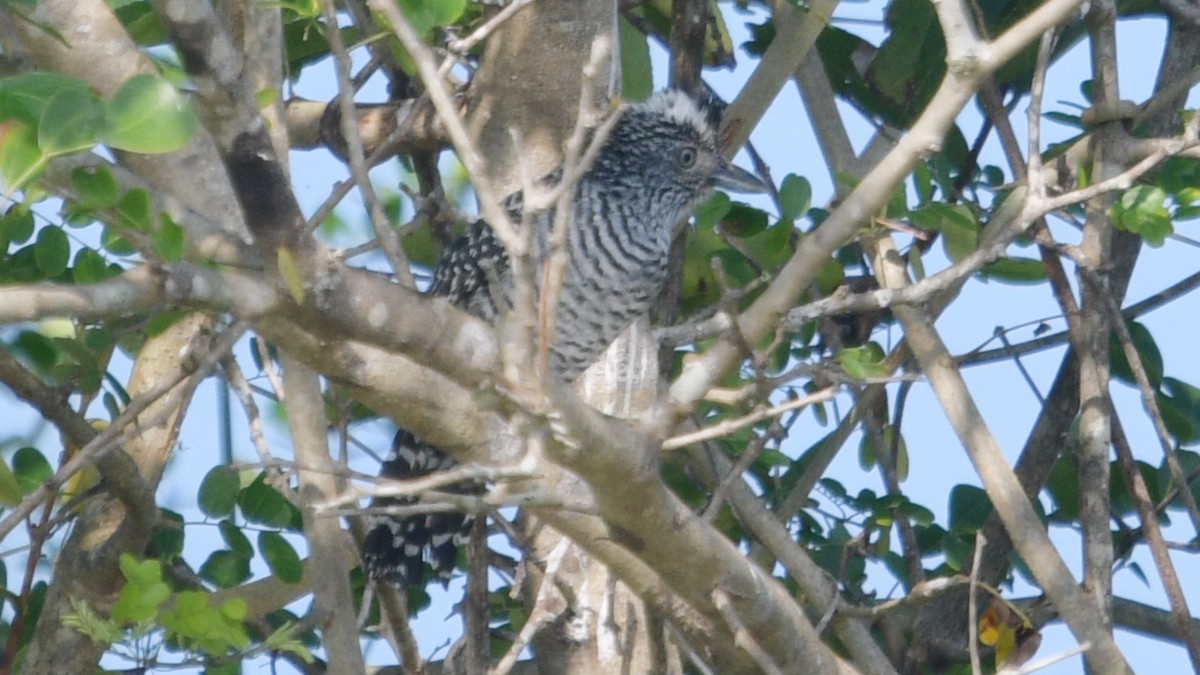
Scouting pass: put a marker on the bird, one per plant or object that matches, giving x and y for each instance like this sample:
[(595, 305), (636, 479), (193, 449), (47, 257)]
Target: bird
[(660, 160)]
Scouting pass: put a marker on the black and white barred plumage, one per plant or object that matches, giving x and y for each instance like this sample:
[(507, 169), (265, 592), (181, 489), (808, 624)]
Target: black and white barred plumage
[(659, 161)]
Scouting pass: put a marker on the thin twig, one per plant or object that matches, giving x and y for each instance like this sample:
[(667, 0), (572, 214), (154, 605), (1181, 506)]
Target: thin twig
[(355, 155), (1050, 660), (236, 380), (468, 154), (1152, 533), (540, 616), (124, 427), (972, 605), (416, 486), (480, 34), (729, 426)]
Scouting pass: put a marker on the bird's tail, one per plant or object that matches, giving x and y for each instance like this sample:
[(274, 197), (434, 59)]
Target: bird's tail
[(397, 547)]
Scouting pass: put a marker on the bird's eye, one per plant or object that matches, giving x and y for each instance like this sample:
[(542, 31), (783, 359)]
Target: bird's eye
[(687, 158)]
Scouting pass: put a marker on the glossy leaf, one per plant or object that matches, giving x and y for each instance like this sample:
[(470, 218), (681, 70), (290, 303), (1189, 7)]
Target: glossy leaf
[(72, 121), (148, 115), (20, 157), (263, 504), (31, 468), (25, 97), (281, 558)]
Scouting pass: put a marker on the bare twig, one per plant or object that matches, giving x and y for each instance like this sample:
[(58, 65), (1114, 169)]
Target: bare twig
[(489, 200), (386, 236), (1153, 535), (540, 616), (729, 426), (236, 380), (1050, 660), (433, 481), (464, 45), (973, 606)]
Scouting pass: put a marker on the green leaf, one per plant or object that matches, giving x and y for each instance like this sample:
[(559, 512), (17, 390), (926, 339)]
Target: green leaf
[(26, 97), (31, 468), (148, 115), (743, 220), (166, 542), (17, 224), (290, 273), (863, 362), (1142, 210), (164, 320), (426, 15), (135, 210), (20, 157), (140, 572), (10, 487), (1065, 119), (89, 267), (53, 251), (235, 539), (168, 241), (795, 197), (1016, 270), (263, 504), (114, 243), (712, 210), (218, 492), (1147, 349), (145, 591), (72, 121), (95, 187), (957, 223), (969, 508), (225, 568), (281, 557), (37, 348), (1180, 406), (142, 23)]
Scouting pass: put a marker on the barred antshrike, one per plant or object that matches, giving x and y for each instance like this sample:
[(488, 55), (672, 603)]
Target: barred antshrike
[(658, 162)]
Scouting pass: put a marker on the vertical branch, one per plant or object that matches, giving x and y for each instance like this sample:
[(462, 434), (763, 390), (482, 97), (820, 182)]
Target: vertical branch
[(689, 24), (973, 605), (334, 605), (1095, 427)]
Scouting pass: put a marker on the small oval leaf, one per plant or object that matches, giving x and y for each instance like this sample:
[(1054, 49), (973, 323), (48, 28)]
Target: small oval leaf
[(281, 558), (219, 492), (53, 251)]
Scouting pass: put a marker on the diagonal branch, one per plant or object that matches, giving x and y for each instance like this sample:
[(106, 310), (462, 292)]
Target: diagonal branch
[(1014, 509)]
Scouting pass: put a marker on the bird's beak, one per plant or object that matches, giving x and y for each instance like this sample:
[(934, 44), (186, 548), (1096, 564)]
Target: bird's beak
[(736, 179)]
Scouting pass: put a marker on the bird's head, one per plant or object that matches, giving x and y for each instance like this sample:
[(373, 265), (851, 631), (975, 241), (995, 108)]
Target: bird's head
[(667, 150)]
